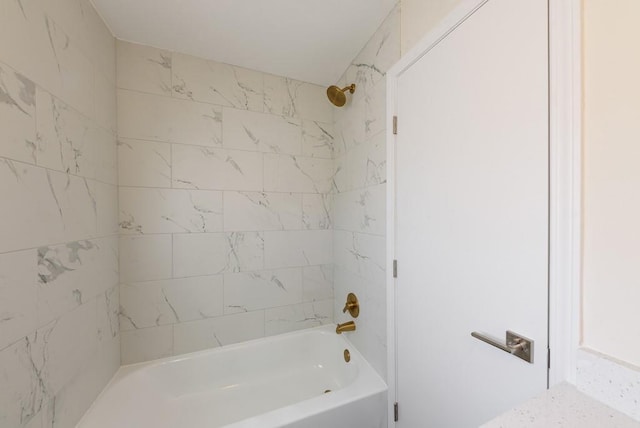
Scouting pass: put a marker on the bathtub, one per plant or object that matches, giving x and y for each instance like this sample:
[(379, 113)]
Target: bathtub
[(278, 381)]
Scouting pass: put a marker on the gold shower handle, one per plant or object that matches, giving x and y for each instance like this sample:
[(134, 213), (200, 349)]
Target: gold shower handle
[(349, 306), (352, 305)]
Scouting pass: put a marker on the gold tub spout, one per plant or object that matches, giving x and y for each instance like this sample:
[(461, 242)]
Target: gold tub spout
[(347, 326)]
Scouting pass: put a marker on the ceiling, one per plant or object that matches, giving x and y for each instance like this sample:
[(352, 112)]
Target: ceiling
[(308, 40)]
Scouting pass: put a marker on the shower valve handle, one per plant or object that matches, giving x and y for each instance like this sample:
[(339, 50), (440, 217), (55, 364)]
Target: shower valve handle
[(349, 306), (352, 305)]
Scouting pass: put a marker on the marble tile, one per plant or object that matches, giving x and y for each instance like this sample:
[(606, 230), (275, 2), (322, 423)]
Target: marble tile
[(69, 15), (57, 71), (317, 283), (249, 291), (262, 211), (23, 393), (362, 210), (350, 127), (361, 253), (50, 349), (246, 251), (146, 344), (317, 211), (297, 248), (216, 169), (280, 95), (106, 196), (103, 44), (213, 253), (172, 301), (75, 202), (26, 22), (72, 274), (288, 173), (368, 163), (17, 116), (107, 269), (200, 254), (297, 317), (40, 420), (312, 103), (72, 401), (339, 147), (247, 130), (105, 101), (341, 181), (41, 206), (215, 332), (169, 210), (143, 68), (18, 296), (26, 197), (106, 155), (158, 118), (375, 109), (217, 83), (108, 322), (378, 55), (144, 163), (64, 137), (317, 139), (75, 70), (145, 258), (288, 97), (374, 321)]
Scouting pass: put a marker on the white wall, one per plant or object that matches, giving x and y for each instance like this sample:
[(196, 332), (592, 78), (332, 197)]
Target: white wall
[(420, 16), (59, 337), (611, 281), (225, 204)]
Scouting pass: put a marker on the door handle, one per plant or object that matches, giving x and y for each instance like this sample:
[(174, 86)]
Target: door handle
[(515, 344)]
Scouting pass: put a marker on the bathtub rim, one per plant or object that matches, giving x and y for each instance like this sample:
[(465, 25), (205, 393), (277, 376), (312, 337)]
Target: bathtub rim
[(368, 382)]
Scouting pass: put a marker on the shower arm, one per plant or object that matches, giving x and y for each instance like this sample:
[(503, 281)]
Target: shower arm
[(351, 88)]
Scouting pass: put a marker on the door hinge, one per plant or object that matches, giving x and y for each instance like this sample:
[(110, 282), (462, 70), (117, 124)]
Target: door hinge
[(548, 358), (395, 125), (395, 412), (395, 268)]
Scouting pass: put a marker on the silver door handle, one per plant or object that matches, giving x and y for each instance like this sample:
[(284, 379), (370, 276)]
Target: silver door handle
[(517, 345)]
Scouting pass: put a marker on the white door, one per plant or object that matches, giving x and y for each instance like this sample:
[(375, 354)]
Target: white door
[(471, 178)]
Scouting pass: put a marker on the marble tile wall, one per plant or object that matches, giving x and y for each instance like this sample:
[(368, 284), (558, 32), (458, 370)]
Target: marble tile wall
[(59, 295), (225, 203), (359, 188)]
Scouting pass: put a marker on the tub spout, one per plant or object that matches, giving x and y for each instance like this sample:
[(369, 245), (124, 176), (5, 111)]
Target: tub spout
[(347, 326)]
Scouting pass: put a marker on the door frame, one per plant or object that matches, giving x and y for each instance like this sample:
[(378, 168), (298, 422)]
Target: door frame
[(565, 183)]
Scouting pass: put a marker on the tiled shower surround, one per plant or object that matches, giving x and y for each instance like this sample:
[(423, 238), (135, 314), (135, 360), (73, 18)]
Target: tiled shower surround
[(230, 204), (225, 203), (59, 334), (360, 191)]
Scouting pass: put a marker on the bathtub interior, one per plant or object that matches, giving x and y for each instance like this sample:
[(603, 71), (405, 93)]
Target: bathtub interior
[(281, 378), (312, 356)]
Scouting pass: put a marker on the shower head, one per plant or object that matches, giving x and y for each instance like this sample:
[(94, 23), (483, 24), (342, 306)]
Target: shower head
[(337, 96)]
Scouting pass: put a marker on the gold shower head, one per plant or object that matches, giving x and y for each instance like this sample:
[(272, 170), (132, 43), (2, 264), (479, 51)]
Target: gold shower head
[(337, 96)]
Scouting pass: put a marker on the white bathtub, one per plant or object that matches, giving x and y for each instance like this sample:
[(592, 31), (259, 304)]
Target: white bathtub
[(278, 381)]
